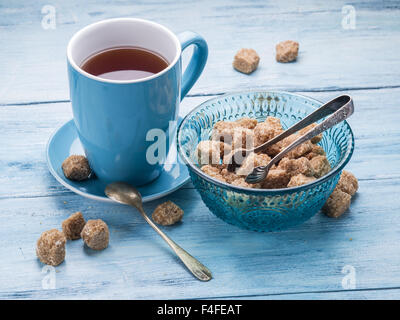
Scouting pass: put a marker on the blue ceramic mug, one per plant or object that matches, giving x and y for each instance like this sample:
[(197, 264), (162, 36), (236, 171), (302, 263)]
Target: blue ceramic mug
[(113, 117)]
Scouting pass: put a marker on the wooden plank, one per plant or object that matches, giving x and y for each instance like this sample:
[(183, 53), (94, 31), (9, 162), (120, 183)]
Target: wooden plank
[(378, 294), (138, 264), (32, 59), (23, 170)]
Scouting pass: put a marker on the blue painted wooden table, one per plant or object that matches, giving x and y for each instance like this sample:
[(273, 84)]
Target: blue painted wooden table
[(356, 256)]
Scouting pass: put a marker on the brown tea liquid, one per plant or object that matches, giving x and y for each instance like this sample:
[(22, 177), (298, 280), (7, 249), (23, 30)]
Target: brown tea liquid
[(124, 63)]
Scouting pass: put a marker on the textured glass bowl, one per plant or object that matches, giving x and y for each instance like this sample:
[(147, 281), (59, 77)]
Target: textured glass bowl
[(260, 209)]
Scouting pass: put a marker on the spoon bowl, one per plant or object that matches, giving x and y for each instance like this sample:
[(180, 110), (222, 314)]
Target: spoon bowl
[(124, 193)]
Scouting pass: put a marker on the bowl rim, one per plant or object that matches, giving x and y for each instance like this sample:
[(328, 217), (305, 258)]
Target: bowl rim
[(255, 191)]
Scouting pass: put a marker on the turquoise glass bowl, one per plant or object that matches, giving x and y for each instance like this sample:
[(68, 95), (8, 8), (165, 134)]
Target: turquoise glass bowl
[(260, 209)]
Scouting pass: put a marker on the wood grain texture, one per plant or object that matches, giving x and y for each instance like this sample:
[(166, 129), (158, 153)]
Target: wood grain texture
[(33, 60), (305, 262)]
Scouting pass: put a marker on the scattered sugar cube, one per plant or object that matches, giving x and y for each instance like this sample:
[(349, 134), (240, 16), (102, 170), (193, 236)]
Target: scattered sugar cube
[(95, 234), (246, 60), (76, 168), (72, 227), (50, 248), (337, 203), (287, 51), (348, 183), (167, 213)]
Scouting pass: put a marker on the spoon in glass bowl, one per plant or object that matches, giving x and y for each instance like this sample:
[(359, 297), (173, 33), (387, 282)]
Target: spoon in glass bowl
[(342, 107), (124, 193)]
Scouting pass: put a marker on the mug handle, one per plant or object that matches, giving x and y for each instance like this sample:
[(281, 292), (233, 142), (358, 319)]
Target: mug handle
[(197, 61)]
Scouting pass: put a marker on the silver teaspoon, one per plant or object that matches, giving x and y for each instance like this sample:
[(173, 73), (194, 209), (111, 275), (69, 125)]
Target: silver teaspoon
[(126, 194), (342, 107)]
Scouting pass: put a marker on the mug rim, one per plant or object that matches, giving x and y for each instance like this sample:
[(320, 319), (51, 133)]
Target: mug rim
[(96, 24)]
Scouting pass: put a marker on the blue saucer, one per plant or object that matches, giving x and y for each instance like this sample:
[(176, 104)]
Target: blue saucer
[(65, 142)]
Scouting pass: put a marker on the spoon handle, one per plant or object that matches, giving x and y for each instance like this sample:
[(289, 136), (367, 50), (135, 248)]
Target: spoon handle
[(200, 271)]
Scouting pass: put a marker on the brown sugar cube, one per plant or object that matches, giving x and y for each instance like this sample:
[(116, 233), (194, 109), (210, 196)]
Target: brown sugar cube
[(321, 166), (251, 161), (238, 138), (262, 159), (210, 151), (318, 150), (76, 168), (228, 176), (247, 123), (265, 131), (287, 51), (242, 138), (213, 172), (337, 203), (237, 134), (274, 122), (50, 248), (274, 149), (348, 183), (72, 227), (167, 213), (246, 60), (95, 234), (210, 169), (296, 166), (315, 151), (299, 180), (315, 139), (223, 131), (297, 152), (241, 182), (300, 150), (276, 179)]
